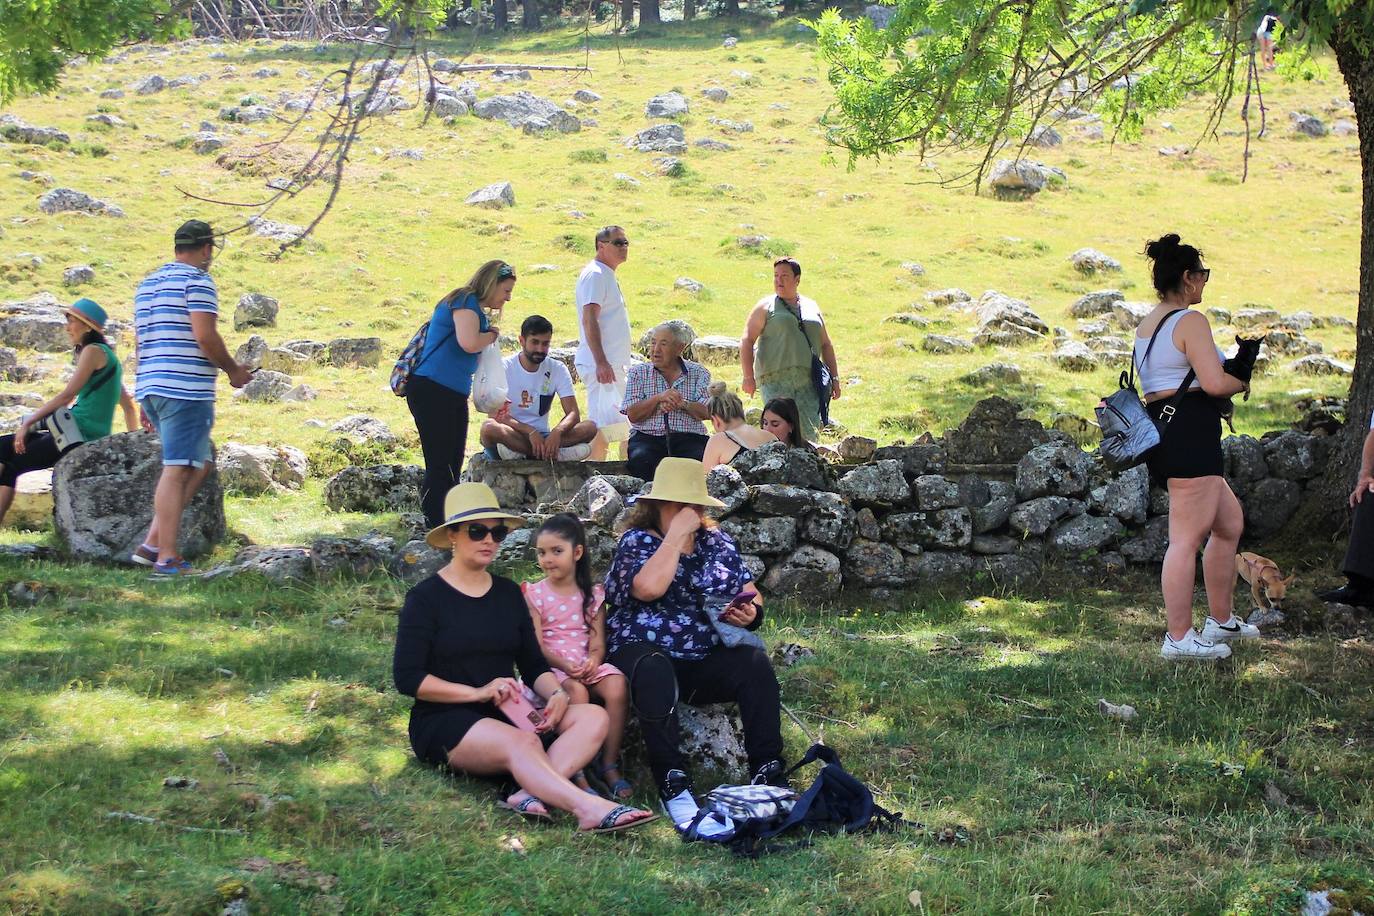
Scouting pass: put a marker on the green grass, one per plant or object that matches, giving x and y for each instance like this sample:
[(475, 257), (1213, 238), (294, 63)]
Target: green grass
[(977, 715), (399, 236)]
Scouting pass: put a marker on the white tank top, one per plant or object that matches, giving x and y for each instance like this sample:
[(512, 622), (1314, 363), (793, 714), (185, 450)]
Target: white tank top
[(1167, 365)]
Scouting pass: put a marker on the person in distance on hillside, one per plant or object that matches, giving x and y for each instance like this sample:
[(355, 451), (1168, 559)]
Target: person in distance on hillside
[(783, 338), (533, 380), (603, 350), (1202, 507), (179, 354), (665, 402), (1359, 554)]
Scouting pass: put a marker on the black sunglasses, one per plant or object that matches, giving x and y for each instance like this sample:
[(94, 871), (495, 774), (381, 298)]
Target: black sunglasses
[(1205, 271), (478, 532), (621, 243)]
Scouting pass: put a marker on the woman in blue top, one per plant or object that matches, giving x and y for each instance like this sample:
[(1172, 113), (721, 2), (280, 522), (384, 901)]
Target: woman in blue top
[(442, 379)]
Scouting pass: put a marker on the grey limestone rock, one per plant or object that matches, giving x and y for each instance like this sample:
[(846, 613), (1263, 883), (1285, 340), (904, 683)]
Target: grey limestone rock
[(1091, 261), (949, 297), (1003, 320), (149, 85), (450, 106), (666, 105), (763, 536), (994, 433), (255, 310), (417, 561), (1008, 570), (933, 491), (869, 563), (854, 449), (830, 522), (275, 231), (716, 93), (944, 343), (716, 350), (1269, 505), (808, 571), (1084, 533), (1053, 469), (923, 458), (713, 737), (878, 484), (252, 351), (257, 469), (938, 567), (993, 544), (361, 352), (1091, 305), (1244, 459), (1320, 365), (1074, 356), (377, 488), (1021, 178), (1125, 496), (1309, 125), (517, 108), (65, 200), (586, 97), (347, 558), (725, 484), (598, 501), (942, 528), (16, 130), (103, 500), (1149, 544), (993, 374), (1035, 517), (279, 564), (661, 138), (879, 15), (776, 463), (266, 386), (1295, 456), (496, 196), (280, 359), (1044, 136), (995, 512), (78, 274)]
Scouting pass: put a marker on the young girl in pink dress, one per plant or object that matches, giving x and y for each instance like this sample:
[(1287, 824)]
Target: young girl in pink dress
[(570, 623)]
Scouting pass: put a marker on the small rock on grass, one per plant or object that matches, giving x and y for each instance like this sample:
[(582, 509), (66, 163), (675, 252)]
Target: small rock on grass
[(180, 782), (1123, 712)]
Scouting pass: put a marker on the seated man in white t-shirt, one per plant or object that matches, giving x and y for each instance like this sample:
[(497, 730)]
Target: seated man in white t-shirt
[(521, 430)]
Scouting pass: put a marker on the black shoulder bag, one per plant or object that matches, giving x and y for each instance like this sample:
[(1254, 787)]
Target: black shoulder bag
[(821, 379)]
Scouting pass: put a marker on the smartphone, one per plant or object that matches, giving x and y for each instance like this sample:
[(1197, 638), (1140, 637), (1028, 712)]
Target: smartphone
[(744, 597), (520, 711)]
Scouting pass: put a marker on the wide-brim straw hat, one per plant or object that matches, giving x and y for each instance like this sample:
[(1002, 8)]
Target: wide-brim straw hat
[(469, 502), (682, 480)]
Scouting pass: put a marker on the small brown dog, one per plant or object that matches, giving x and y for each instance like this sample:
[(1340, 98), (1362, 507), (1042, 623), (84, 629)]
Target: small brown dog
[(1267, 584)]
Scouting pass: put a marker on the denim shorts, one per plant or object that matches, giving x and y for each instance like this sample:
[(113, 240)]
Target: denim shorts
[(184, 428)]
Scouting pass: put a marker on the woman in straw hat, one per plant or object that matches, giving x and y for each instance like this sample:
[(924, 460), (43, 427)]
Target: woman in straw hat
[(674, 570), (461, 634), (96, 386)]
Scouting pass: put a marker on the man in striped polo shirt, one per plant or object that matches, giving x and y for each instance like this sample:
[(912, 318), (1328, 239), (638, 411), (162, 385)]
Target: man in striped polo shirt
[(179, 355)]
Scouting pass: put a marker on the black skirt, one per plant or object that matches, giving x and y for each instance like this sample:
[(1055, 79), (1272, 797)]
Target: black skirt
[(1190, 446)]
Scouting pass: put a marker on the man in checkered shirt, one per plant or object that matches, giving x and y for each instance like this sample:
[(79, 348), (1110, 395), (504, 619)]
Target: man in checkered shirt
[(665, 402)]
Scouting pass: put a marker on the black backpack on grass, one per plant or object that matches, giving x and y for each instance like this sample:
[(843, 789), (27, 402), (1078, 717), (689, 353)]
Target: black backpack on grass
[(835, 802)]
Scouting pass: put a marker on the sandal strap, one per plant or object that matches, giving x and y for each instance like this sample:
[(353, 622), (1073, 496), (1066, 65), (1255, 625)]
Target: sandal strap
[(607, 767), (524, 806), (613, 818)]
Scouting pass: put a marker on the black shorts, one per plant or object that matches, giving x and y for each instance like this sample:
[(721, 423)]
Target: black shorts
[(1191, 444), (434, 736)]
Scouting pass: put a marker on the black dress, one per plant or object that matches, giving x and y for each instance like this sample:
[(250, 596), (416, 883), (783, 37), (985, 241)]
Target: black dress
[(463, 640)]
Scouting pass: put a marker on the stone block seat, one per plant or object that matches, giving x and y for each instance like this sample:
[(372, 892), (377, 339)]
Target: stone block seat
[(529, 484)]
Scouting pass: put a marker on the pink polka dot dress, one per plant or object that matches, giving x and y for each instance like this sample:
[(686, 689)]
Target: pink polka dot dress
[(564, 628)]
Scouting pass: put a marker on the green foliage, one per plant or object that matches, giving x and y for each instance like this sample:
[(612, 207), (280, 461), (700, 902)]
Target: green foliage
[(38, 36), (588, 155)]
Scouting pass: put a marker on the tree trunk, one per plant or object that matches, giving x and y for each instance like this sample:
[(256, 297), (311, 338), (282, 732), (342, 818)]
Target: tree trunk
[(689, 10), (531, 15), (732, 7), (627, 14), (1328, 516), (648, 13), (498, 10)]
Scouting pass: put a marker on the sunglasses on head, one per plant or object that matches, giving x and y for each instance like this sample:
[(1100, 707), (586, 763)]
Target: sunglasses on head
[(478, 532), (505, 272)]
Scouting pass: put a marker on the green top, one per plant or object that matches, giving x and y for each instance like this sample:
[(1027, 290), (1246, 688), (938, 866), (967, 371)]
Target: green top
[(95, 402), (782, 348)]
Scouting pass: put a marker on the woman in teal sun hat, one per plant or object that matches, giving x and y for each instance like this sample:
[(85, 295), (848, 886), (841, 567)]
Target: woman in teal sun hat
[(95, 387)]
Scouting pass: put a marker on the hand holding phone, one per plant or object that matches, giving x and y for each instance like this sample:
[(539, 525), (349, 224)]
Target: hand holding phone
[(746, 596)]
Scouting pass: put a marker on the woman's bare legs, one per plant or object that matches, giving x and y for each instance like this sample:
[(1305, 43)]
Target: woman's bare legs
[(492, 748), (577, 694), (1192, 513), (1219, 557)]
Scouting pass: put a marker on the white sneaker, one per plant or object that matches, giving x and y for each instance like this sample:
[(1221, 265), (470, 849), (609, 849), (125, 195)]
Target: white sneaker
[(682, 810), (1235, 628), (1193, 646), (575, 452), (509, 454)]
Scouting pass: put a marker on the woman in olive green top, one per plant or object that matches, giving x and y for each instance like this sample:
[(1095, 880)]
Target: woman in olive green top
[(97, 384), (787, 329)]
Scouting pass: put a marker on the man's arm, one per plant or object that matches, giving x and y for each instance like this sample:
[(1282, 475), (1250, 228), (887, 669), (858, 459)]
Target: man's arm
[(206, 332), (828, 357), (753, 327), (591, 333), (571, 415), (639, 411), (1365, 484)]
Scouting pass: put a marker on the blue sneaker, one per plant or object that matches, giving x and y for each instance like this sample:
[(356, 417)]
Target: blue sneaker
[(172, 570)]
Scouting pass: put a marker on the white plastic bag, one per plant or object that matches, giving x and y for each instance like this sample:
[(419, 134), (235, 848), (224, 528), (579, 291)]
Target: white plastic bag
[(603, 409), (489, 392)]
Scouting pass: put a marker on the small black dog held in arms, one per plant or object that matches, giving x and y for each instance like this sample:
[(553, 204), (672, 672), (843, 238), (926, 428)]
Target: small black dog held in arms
[(1240, 366)]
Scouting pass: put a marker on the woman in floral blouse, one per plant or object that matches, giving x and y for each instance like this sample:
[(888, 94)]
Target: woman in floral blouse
[(672, 568)]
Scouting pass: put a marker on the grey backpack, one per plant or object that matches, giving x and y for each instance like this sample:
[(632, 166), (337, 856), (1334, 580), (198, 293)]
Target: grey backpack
[(1128, 432)]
